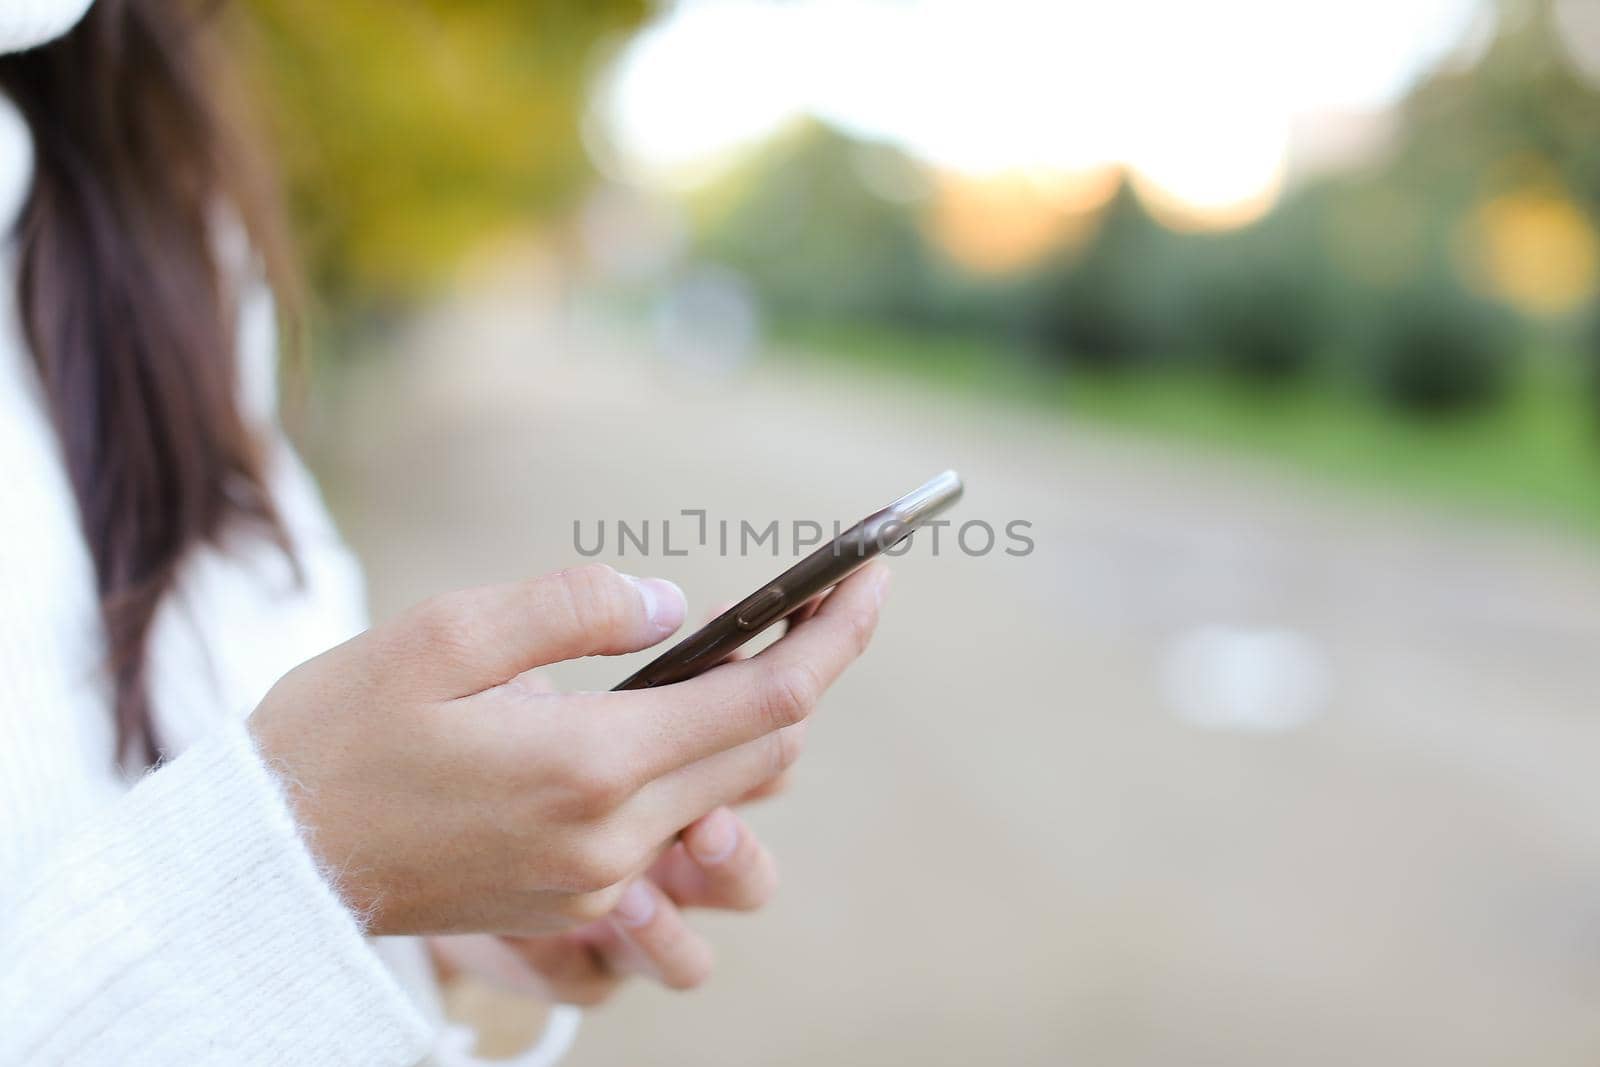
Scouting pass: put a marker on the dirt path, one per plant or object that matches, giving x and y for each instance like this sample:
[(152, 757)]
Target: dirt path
[(1320, 786)]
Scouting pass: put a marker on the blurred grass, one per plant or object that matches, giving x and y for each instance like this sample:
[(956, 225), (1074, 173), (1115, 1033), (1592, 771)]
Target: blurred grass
[(1535, 457)]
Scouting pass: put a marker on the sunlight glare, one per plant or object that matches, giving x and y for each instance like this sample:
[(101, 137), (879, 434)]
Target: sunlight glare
[(1197, 100)]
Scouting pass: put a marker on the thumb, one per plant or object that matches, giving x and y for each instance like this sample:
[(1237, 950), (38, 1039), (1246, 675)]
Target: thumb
[(465, 642)]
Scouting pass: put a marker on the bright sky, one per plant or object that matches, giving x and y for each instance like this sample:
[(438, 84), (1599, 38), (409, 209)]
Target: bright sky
[(1196, 96)]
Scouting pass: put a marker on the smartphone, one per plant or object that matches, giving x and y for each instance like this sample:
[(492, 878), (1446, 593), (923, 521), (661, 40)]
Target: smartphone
[(789, 591)]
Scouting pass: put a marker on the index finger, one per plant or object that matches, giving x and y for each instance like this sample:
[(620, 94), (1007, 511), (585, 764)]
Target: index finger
[(672, 726)]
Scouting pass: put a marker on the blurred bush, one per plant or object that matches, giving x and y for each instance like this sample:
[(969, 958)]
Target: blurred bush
[(1259, 310), (1118, 301), (1400, 277), (412, 131), (824, 226), (1261, 326), (1439, 351)]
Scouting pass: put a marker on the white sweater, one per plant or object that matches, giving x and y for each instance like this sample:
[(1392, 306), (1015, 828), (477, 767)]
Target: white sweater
[(179, 919)]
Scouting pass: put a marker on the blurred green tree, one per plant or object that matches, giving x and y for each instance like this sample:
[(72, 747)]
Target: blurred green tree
[(1259, 324), (1262, 301), (1522, 104), (825, 227), (1398, 275), (1117, 301), (408, 132), (1438, 352)]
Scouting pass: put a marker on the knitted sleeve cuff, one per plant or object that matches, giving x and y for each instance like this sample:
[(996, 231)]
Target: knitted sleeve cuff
[(190, 925)]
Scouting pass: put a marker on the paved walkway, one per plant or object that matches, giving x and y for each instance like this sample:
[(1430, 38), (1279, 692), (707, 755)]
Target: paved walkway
[(1228, 770)]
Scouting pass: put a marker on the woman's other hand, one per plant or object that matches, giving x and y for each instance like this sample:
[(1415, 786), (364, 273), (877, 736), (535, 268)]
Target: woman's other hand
[(718, 864)]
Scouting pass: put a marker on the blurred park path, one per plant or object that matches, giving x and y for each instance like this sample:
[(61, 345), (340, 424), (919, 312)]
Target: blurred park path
[(1229, 770)]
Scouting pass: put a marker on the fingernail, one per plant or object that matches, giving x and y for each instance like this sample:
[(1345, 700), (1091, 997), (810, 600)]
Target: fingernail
[(637, 906), (663, 602), (714, 838)]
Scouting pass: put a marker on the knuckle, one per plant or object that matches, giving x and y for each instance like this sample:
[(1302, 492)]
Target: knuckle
[(596, 778), (596, 599), (595, 783), (609, 783), (772, 787), (444, 625), (441, 615), (594, 868), (585, 908), (861, 623), (786, 746), (791, 692), (794, 740)]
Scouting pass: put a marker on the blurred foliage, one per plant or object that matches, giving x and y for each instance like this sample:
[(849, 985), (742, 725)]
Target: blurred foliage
[(1521, 111), (1260, 324), (1532, 454), (819, 239), (1440, 353), (411, 131), (1115, 302), (1373, 279)]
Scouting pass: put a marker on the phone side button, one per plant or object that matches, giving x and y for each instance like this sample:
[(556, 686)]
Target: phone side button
[(760, 611)]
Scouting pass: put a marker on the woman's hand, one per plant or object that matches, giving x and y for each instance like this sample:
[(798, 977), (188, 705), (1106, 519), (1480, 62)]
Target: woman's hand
[(718, 864), (447, 793)]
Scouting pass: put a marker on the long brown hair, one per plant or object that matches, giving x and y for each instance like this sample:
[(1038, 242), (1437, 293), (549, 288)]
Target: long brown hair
[(128, 316)]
